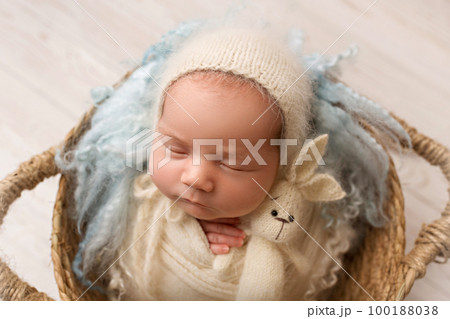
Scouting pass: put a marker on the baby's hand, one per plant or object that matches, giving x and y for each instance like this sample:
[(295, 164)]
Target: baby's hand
[(222, 234)]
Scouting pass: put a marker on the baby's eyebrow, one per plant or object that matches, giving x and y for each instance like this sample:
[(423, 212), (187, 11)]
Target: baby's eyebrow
[(173, 135), (176, 139)]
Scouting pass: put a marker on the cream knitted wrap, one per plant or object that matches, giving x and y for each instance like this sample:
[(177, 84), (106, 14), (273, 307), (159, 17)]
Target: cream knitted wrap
[(254, 56)]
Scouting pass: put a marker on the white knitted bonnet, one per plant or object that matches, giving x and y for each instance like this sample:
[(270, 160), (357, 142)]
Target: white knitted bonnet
[(252, 55)]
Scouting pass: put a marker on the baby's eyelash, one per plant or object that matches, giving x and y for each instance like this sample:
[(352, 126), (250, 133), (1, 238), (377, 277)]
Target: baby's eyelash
[(174, 150), (274, 198), (234, 169)]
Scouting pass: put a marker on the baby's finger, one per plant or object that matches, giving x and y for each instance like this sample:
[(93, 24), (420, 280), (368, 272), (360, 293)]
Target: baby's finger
[(214, 238), (221, 229), (217, 249)]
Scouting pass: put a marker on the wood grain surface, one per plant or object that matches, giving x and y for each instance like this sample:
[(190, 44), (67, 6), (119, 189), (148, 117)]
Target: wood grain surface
[(52, 52)]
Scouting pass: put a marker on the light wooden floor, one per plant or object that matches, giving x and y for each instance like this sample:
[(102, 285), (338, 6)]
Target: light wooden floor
[(52, 53)]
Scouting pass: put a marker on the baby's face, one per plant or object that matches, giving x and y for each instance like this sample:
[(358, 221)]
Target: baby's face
[(216, 188)]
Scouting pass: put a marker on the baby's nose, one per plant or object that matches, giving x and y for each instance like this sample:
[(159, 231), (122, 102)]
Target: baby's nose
[(199, 177)]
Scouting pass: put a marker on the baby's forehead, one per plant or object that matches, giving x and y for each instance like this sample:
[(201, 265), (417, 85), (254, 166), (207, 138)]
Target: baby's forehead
[(222, 105), (226, 84)]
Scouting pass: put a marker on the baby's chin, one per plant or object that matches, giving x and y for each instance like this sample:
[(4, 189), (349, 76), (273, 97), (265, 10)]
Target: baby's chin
[(197, 211), (206, 214), (202, 212)]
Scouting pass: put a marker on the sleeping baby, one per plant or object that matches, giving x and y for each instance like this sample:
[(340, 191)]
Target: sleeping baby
[(232, 124)]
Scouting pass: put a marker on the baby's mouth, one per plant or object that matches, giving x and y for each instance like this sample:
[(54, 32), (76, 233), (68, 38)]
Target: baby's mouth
[(194, 203)]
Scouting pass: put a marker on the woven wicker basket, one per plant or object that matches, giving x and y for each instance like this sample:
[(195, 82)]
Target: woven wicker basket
[(380, 269)]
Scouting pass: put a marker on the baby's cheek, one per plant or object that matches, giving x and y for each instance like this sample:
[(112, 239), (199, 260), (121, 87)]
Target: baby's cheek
[(165, 177), (161, 181), (242, 199), (258, 188)]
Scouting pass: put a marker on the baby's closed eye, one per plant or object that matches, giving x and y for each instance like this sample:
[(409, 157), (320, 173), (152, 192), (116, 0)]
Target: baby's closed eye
[(176, 150), (237, 168)]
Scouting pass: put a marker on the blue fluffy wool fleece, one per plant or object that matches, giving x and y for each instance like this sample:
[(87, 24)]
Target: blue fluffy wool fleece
[(104, 181)]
